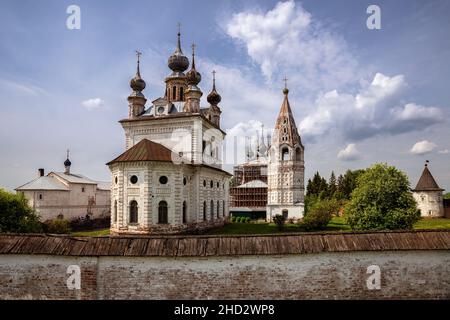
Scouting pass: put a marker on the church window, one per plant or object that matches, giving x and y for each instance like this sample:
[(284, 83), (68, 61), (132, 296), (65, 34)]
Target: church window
[(212, 210), (223, 208), (162, 212), (115, 211), (82, 189), (174, 93), (163, 179), (184, 212), (211, 184), (285, 213), (218, 185), (60, 216), (181, 94), (204, 183), (133, 211), (40, 196), (298, 154), (218, 206), (184, 181), (134, 179), (115, 180), (285, 154), (204, 210)]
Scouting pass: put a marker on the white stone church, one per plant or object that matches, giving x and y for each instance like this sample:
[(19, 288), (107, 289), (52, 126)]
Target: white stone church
[(170, 177)]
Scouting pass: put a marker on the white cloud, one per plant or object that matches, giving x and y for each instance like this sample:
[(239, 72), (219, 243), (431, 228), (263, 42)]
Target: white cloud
[(423, 147), (444, 151), (349, 153), (370, 112), (288, 38), (94, 103)]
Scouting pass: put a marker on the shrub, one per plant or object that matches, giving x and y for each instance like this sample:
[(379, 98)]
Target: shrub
[(279, 221), (382, 200), (16, 215), (59, 226), (247, 220), (320, 214), (239, 219)]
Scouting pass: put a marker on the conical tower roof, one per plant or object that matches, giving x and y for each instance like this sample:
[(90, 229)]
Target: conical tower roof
[(285, 127), (427, 182)]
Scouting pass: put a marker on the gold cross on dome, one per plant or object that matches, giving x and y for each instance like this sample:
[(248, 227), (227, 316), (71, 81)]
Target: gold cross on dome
[(179, 27), (138, 54), (285, 82)]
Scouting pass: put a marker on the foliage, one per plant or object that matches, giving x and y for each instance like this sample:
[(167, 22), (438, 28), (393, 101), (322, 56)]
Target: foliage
[(87, 223), (279, 221), (16, 215), (320, 214), (447, 195), (346, 184), (382, 200), (317, 186), (94, 233), (332, 186), (59, 226)]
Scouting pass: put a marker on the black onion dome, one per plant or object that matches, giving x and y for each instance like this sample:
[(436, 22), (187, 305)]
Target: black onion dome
[(178, 62), (67, 163), (193, 77), (214, 97), (137, 83)]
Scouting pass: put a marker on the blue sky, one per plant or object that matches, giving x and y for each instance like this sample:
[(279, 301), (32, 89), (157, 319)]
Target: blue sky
[(359, 96)]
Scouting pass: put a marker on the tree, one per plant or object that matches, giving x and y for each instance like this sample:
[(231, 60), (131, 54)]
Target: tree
[(317, 186), (319, 215), (332, 186), (279, 220), (447, 195), (16, 215), (382, 200)]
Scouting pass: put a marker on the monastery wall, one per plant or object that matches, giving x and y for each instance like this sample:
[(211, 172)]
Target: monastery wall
[(411, 265)]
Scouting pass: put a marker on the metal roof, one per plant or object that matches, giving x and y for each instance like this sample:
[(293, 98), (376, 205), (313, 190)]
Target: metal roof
[(427, 182), (254, 184), (223, 245), (145, 150), (44, 183), (73, 178)]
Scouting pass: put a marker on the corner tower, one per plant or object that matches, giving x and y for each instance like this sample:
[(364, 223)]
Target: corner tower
[(286, 169), (428, 195)]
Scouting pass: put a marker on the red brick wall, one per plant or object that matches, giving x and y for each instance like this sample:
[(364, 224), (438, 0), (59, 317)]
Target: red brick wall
[(404, 274)]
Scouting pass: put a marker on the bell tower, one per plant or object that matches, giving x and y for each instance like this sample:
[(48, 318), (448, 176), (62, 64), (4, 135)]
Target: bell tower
[(286, 169), (136, 100)]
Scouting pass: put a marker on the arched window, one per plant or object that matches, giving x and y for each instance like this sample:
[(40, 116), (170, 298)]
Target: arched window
[(212, 210), (285, 214), (184, 212), (223, 208), (285, 154), (174, 93), (218, 206), (115, 211), (204, 210), (181, 94), (133, 211), (162, 212), (298, 154)]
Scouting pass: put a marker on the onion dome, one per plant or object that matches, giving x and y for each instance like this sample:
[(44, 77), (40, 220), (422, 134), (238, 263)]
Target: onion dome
[(193, 77), (214, 97), (137, 83), (177, 61), (67, 163)]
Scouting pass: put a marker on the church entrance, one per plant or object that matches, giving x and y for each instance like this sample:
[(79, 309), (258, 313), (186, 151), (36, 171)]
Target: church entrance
[(285, 214)]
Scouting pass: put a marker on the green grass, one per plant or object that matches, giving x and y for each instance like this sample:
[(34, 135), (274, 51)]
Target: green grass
[(433, 223), (336, 224), (93, 233)]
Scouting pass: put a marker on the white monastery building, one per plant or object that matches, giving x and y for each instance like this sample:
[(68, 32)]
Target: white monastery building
[(286, 169), (170, 177), (66, 195), (428, 195)]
